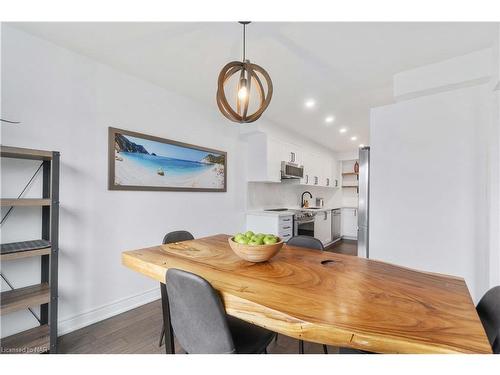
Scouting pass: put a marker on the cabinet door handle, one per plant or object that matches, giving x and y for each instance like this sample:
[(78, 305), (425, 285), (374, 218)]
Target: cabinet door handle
[(327, 182), (307, 178), (286, 227), (286, 219), (292, 157), (326, 215)]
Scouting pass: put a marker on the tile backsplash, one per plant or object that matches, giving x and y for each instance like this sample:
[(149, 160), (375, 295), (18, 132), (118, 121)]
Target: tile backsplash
[(261, 195)]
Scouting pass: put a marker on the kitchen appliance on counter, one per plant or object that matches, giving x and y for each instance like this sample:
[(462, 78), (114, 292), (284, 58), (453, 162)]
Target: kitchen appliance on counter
[(303, 223), (291, 170), (336, 220), (364, 202)]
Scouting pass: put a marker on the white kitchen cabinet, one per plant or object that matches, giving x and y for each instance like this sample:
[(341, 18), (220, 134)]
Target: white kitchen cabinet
[(265, 155), (349, 223), (335, 174), (291, 153), (315, 169), (308, 161), (281, 226), (323, 226), (326, 175)]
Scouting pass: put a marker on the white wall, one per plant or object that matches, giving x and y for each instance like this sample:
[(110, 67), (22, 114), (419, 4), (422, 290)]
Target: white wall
[(494, 167), (429, 194), (66, 102), (469, 69)]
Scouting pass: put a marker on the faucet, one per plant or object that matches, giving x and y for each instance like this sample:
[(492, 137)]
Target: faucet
[(302, 197)]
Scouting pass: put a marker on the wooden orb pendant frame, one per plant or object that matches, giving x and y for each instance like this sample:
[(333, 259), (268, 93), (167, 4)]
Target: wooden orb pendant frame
[(248, 74), (241, 113)]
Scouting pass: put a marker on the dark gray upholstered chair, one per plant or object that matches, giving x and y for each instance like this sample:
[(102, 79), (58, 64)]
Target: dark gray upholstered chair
[(310, 243), (171, 237), (177, 236), (306, 241), (200, 322), (488, 310)]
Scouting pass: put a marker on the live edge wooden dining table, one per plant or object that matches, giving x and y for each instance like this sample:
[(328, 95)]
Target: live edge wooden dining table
[(328, 298)]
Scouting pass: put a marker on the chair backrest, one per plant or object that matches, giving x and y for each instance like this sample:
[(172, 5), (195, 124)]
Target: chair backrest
[(177, 236), (306, 241), (197, 314), (488, 310)]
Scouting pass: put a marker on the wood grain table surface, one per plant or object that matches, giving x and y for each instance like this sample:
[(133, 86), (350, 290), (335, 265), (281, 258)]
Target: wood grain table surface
[(350, 302)]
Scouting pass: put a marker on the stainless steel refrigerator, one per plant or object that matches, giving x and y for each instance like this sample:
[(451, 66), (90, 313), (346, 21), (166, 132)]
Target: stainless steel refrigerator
[(364, 203)]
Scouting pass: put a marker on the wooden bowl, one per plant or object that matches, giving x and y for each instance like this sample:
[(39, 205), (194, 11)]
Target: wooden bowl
[(256, 253)]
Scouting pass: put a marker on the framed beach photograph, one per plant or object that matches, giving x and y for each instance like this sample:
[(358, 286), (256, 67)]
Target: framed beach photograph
[(144, 162)]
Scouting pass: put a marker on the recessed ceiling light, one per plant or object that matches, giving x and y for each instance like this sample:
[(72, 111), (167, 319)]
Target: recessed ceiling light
[(342, 130), (354, 138), (310, 103), (329, 119)]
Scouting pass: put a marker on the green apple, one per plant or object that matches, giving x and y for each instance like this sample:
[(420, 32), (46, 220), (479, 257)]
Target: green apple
[(270, 240), (239, 236), (249, 234), (253, 243), (242, 240), (260, 235)]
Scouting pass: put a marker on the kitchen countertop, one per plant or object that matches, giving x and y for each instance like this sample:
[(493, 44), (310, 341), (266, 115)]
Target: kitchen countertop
[(272, 213), (290, 211)]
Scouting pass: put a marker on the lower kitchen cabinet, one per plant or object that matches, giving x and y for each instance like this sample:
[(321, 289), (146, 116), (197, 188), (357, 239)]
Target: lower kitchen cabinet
[(349, 221), (323, 226), (281, 226)]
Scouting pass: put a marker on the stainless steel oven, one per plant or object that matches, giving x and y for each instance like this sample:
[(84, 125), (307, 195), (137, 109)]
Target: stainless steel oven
[(304, 224)]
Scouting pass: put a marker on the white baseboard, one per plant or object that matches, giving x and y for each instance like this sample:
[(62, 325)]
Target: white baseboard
[(349, 238), (107, 311)]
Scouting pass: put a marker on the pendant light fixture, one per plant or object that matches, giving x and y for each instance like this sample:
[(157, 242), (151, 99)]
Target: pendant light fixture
[(250, 80)]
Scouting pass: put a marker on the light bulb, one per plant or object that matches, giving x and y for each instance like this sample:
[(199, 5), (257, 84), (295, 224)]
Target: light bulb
[(243, 93)]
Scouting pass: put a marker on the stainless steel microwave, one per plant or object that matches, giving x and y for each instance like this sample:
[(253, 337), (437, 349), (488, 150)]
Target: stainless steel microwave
[(291, 170)]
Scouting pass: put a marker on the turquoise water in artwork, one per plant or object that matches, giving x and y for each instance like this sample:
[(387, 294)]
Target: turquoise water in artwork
[(171, 166)]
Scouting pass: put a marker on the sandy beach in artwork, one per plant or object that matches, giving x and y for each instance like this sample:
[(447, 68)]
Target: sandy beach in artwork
[(129, 172)]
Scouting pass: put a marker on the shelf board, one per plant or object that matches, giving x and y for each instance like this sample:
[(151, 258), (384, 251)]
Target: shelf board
[(350, 174), (350, 186), (24, 153), (25, 202), (34, 340), (15, 247), (25, 254), (22, 298)]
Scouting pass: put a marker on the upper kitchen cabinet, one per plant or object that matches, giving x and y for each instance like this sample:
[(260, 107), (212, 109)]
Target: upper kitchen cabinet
[(266, 153)]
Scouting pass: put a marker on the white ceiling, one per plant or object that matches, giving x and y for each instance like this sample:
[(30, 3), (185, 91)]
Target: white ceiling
[(346, 67)]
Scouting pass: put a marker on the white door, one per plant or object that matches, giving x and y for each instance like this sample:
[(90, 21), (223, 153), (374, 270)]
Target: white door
[(275, 155), (323, 226), (349, 220), (305, 160), (326, 178)]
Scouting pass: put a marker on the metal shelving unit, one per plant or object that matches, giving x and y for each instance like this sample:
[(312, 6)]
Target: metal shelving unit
[(42, 338)]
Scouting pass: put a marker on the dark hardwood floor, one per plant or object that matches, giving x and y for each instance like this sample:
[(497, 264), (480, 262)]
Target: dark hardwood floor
[(138, 331), (349, 247)]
